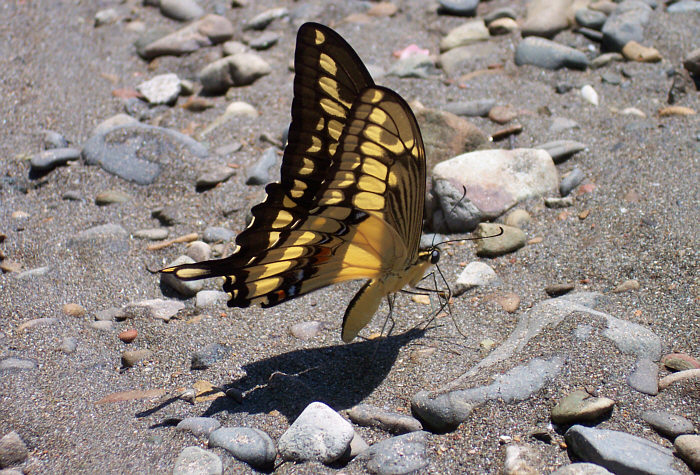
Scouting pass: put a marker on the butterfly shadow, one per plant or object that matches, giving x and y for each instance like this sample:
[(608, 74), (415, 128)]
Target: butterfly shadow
[(340, 376)]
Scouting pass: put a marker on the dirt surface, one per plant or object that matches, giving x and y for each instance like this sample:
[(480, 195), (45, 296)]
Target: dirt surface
[(57, 71)]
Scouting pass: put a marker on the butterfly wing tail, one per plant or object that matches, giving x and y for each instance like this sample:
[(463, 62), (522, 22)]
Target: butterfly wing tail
[(362, 308), (197, 270)]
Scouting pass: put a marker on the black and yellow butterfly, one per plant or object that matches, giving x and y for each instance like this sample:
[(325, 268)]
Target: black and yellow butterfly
[(349, 204)]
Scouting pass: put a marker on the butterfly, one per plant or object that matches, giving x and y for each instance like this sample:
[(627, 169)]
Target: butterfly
[(349, 203)]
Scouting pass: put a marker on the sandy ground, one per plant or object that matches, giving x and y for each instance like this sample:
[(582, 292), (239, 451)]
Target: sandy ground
[(57, 72)]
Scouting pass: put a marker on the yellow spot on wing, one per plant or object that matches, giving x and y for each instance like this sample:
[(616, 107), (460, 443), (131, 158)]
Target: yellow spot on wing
[(375, 168), (368, 201), (315, 145), (327, 64), (371, 149), (320, 38), (332, 107), (264, 286), (283, 219), (370, 183)]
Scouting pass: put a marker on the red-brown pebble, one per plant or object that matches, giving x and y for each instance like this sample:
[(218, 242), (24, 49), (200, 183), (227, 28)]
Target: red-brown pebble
[(127, 336)]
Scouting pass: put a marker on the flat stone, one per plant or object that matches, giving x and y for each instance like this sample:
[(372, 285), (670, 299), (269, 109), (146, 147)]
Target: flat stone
[(195, 460), (370, 416), (580, 406), (402, 454), (250, 445), (50, 159), (668, 424), (491, 244), (547, 54)]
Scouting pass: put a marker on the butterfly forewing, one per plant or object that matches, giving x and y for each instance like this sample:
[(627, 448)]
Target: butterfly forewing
[(349, 204)]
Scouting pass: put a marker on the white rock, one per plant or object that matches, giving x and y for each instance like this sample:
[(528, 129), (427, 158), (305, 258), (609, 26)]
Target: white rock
[(588, 93), (476, 274), (319, 433), (162, 89)]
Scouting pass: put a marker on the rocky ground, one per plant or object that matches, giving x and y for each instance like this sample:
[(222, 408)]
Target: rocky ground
[(577, 341)]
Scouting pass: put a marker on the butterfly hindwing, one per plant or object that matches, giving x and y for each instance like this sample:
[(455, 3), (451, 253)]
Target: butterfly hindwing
[(349, 204)]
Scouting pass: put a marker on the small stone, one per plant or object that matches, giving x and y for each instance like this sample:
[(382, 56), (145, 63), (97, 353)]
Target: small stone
[(560, 150), (131, 358), (162, 89), (106, 17), (503, 26), (199, 426), (184, 288), (605, 59), (680, 362), (581, 468), (470, 32), (477, 108), (110, 314), (570, 181), (405, 453), (319, 433), (645, 377), (110, 197), (239, 69), (589, 94), (266, 40), (688, 448), (211, 298), (688, 374), (152, 234), (261, 21), (518, 218), (555, 290), (509, 302), (37, 322), (14, 363), (627, 286), (580, 406), (643, 54), (252, 446), (556, 202), (521, 460), (195, 460), (153, 308), (53, 140), (258, 174), (667, 424), (103, 326), (69, 345), (306, 330), (475, 274), (492, 244), (218, 234), (128, 336), (50, 159), (13, 450), (181, 10), (590, 18), (370, 416), (503, 114), (199, 251), (73, 310), (209, 355), (457, 7), (548, 54)]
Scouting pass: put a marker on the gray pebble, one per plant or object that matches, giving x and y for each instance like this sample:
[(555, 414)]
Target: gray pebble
[(52, 158), (110, 197), (249, 445), (259, 173), (152, 234), (15, 363), (211, 298), (213, 176), (13, 450), (199, 426), (194, 460), (217, 234), (684, 6), (619, 452), (475, 274), (106, 17), (134, 152), (610, 77), (72, 195), (209, 355), (580, 406), (319, 433), (261, 21), (605, 59), (239, 69), (69, 345), (54, 139), (581, 469), (591, 34), (102, 325), (266, 40), (110, 314), (233, 47), (500, 13), (167, 215), (402, 454), (458, 7), (181, 10), (199, 251), (306, 330), (625, 24), (417, 66), (645, 377), (521, 460), (476, 108), (590, 18), (511, 240), (370, 416), (162, 89), (570, 181), (458, 214), (560, 150), (547, 54), (208, 30), (32, 273), (668, 424), (153, 308)]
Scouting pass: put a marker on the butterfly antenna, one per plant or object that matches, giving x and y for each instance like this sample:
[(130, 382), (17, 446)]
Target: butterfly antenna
[(477, 238)]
